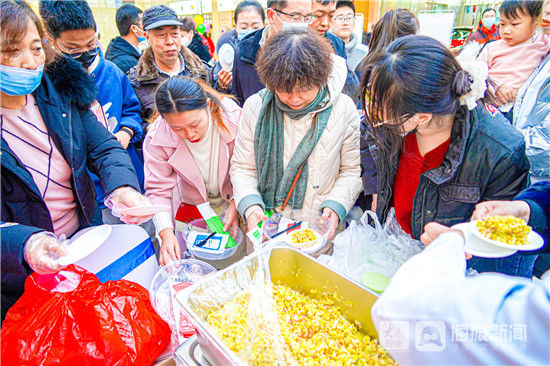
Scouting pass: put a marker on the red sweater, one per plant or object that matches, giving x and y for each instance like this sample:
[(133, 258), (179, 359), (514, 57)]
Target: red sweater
[(411, 165)]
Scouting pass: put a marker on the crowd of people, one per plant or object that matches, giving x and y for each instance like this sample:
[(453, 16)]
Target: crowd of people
[(306, 117)]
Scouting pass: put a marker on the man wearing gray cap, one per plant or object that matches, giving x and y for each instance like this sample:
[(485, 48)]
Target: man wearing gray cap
[(165, 57)]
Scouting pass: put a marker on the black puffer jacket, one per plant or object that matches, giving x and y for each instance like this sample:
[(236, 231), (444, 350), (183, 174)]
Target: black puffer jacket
[(485, 161), (199, 48), (63, 98), (122, 54)]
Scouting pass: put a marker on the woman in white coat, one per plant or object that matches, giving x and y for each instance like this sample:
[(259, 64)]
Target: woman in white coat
[(299, 132)]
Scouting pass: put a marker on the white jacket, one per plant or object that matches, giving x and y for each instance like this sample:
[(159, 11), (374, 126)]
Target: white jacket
[(532, 119), (431, 314), (334, 165)]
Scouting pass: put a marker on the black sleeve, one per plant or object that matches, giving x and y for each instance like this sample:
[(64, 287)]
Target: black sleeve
[(106, 157)]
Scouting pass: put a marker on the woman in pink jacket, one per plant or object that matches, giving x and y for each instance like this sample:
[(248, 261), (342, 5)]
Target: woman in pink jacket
[(187, 153)]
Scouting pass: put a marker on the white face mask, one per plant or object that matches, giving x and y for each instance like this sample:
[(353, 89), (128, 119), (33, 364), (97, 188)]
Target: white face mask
[(185, 41), (292, 25), (296, 26), (143, 45)]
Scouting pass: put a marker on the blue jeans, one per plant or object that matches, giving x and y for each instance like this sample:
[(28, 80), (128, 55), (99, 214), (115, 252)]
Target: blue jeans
[(514, 265)]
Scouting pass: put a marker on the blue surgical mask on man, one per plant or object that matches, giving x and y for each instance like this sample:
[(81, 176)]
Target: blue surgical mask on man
[(241, 33), (489, 22), (19, 81)]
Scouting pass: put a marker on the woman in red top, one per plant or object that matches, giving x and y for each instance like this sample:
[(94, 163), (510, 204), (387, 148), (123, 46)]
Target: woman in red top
[(438, 149)]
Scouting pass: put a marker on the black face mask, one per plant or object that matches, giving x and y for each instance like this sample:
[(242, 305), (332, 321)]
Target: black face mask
[(87, 58)]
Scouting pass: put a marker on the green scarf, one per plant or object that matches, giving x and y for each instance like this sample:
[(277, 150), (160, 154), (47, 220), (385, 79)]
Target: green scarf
[(274, 181)]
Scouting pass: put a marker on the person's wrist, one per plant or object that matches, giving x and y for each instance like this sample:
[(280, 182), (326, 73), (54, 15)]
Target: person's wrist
[(251, 210), (127, 130), (166, 233), (524, 210), (163, 221)]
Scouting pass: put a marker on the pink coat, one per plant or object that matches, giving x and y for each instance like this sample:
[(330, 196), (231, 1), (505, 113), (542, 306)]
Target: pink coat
[(171, 174)]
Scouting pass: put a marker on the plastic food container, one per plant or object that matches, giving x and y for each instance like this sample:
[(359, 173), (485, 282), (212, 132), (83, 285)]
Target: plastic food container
[(311, 220), (173, 278), (201, 226), (287, 266)]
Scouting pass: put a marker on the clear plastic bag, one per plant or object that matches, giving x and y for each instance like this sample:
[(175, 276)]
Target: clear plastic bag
[(363, 248), (264, 332)]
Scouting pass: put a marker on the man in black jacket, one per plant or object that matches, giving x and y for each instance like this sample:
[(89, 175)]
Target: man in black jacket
[(123, 51)]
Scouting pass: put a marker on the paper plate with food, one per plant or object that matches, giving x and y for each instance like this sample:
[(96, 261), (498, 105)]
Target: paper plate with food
[(507, 232), (302, 230), (479, 247)]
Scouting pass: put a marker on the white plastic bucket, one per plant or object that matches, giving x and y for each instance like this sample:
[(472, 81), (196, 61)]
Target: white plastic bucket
[(127, 254)]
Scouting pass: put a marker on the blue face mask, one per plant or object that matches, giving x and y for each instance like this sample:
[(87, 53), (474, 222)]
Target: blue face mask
[(489, 22), (19, 81), (243, 33)]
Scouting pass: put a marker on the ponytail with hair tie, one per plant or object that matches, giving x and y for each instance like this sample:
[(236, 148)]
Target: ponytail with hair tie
[(462, 83), (470, 83)]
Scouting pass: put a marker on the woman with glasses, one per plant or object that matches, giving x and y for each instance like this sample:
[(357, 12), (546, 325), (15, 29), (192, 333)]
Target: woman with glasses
[(298, 140), (343, 24), (49, 140), (394, 24), (438, 148)]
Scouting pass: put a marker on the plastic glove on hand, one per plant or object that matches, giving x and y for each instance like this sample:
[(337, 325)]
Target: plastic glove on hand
[(126, 197), (332, 217), (432, 231), (42, 252)]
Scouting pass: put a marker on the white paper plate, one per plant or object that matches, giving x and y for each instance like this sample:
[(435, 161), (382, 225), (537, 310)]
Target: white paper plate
[(226, 55), (480, 248), (315, 245), (534, 240), (144, 210), (86, 244)]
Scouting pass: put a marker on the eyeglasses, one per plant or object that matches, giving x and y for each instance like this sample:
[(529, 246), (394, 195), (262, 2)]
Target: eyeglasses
[(341, 19), (294, 18), (391, 122), (319, 16), (77, 52)]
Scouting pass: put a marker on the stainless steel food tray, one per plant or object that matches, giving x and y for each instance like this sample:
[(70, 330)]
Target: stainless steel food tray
[(287, 266)]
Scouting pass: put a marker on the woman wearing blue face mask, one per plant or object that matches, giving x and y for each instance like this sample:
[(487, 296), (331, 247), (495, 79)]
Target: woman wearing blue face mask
[(488, 28), (49, 138), (249, 16)]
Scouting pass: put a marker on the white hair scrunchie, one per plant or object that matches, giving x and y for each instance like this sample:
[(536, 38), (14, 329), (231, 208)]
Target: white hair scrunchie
[(479, 72)]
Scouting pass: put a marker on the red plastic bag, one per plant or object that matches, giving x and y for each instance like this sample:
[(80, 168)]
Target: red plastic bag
[(110, 323)]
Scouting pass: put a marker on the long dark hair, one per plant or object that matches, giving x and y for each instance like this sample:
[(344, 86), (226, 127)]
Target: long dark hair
[(182, 94), (14, 18), (394, 24), (416, 74)]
